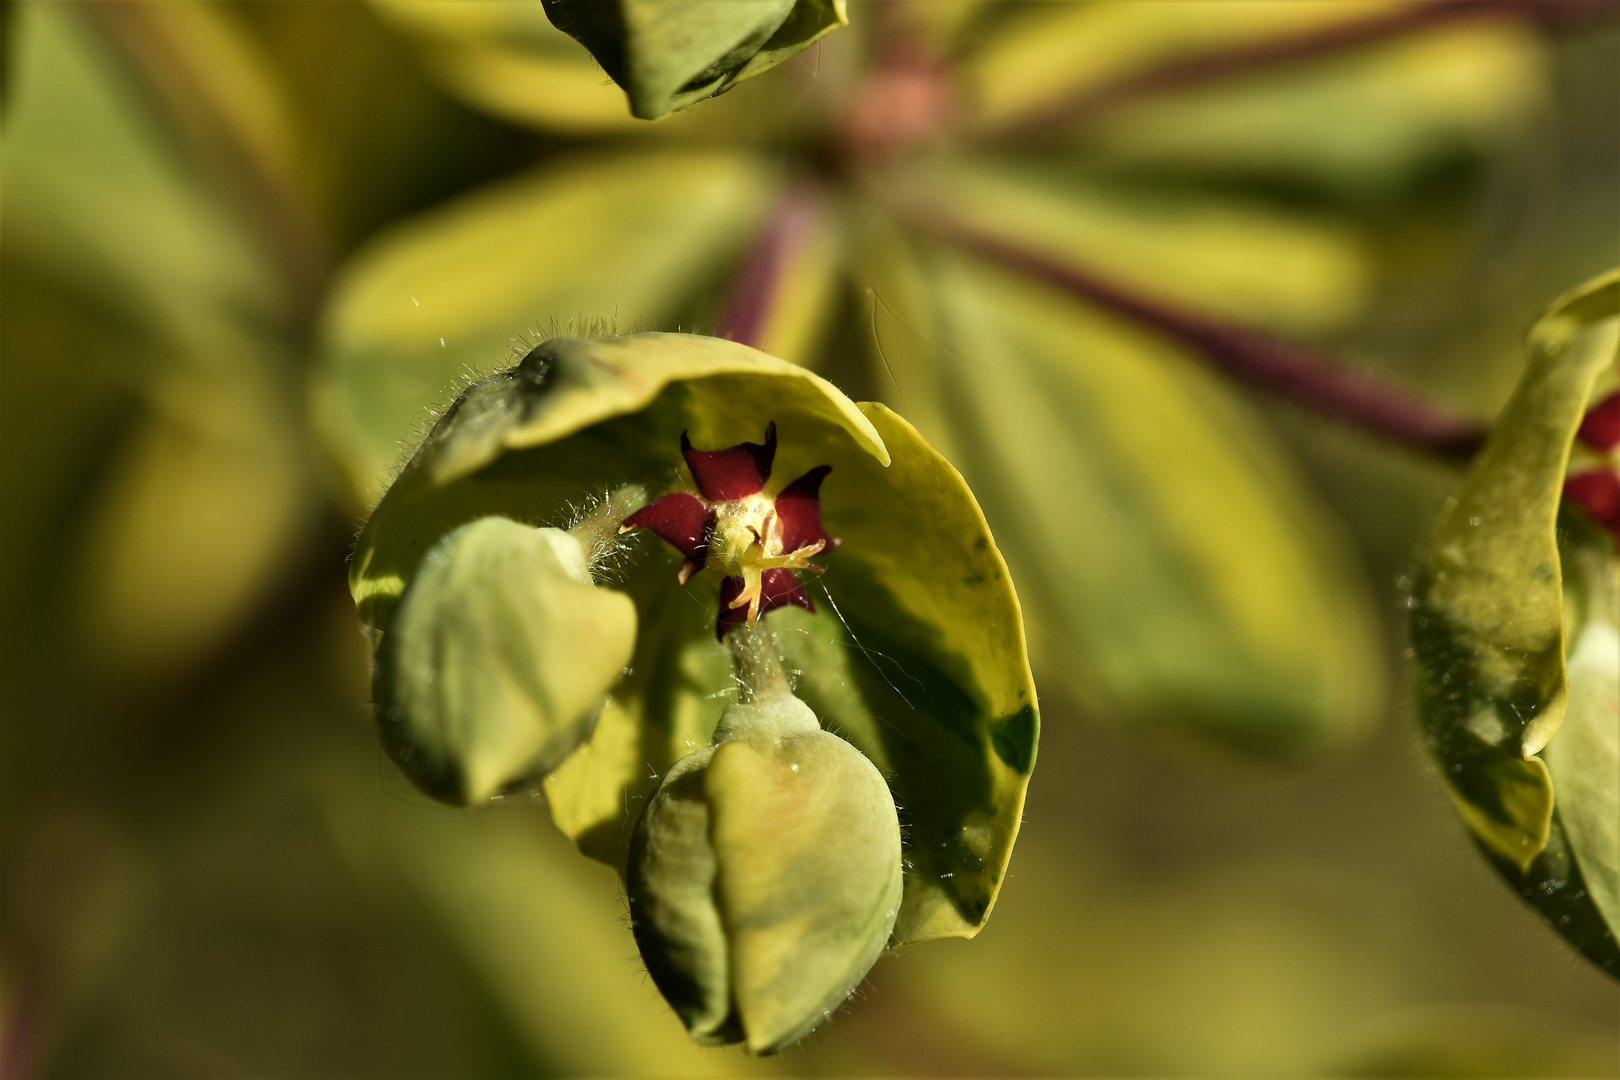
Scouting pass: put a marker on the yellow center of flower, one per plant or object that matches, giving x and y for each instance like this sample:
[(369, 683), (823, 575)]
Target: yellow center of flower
[(746, 541)]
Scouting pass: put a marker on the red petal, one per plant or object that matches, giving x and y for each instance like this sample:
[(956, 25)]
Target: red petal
[(799, 508), (680, 519), (1597, 491), (779, 588), (735, 472), (1601, 427)]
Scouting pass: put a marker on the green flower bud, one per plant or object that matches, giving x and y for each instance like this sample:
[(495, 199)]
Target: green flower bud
[(497, 659), (765, 877), (668, 55)]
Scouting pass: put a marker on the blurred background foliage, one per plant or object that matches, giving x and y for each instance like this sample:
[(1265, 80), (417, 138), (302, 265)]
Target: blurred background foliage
[(250, 247)]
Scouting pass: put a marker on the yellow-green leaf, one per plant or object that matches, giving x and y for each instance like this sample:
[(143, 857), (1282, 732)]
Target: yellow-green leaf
[(1487, 619), (1174, 567), (1055, 52), (203, 489), (1362, 124), (509, 59), (1259, 265), (1513, 629)]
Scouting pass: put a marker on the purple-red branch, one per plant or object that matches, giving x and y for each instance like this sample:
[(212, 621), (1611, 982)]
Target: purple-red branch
[(1205, 67), (755, 290), (1276, 365)]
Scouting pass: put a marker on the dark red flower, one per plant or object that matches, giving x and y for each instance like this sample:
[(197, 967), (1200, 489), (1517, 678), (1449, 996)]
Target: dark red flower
[(1600, 428), (756, 538), (1597, 491)]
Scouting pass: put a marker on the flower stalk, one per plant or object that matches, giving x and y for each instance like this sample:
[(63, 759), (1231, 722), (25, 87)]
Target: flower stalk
[(758, 664)]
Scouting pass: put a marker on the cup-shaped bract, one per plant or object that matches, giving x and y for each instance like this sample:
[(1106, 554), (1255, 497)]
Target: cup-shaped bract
[(1515, 614), (765, 877), (497, 660), (912, 651), (667, 54)]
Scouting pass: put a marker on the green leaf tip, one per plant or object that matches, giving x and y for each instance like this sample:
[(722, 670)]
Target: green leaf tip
[(667, 55), (1513, 623)]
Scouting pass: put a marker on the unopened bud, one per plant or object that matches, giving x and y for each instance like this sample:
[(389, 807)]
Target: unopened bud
[(498, 658), (765, 877)]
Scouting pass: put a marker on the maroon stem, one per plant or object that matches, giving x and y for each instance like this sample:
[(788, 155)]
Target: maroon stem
[(1225, 63), (755, 290), (1278, 366), (19, 1039)]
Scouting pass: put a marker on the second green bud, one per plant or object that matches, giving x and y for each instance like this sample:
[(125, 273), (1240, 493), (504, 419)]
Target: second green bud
[(765, 876)]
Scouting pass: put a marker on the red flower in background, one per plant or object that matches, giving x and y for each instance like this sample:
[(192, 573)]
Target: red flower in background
[(1596, 490)]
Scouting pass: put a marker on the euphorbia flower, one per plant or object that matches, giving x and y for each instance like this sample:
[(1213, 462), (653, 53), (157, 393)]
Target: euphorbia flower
[(1597, 491), (1595, 485), (756, 538), (520, 640)]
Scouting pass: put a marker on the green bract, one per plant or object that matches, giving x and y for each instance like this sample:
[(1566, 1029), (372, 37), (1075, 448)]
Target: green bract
[(915, 655), (765, 876), (666, 55), (1514, 626), (496, 662)]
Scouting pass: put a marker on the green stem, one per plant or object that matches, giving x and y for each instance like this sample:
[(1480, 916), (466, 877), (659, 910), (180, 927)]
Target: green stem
[(758, 663), (1278, 366), (597, 530)]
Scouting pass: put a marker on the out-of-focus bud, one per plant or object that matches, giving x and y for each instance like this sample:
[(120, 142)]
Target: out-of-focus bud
[(497, 659), (765, 877), (666, 55)]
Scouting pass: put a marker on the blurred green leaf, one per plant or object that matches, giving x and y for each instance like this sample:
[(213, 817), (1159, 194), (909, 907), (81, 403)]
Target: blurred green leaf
[(1489, 629), (536, 921), (1362, 125), (508, 58), (1173, 565), (1050, 54), (496, 663), (206, 495), (623, 237), (1258, 264), (918, 590)]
